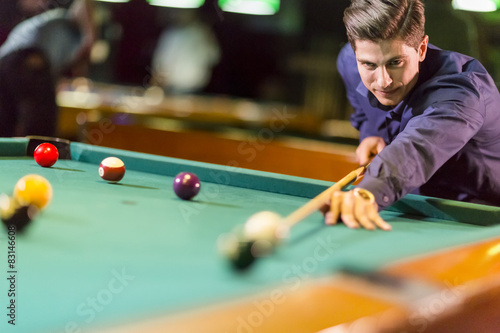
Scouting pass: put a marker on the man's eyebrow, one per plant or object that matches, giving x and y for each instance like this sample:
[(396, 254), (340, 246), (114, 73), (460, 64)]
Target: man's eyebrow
[(398, 57), (364, 61)]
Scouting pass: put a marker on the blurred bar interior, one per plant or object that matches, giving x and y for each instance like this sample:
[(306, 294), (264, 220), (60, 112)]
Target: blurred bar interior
[(259, 70)]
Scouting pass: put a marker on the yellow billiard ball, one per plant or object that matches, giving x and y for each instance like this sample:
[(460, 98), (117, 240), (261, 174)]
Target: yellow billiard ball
[(33, 189)]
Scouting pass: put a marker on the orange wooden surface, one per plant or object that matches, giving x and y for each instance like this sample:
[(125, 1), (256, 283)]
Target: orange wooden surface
[(460, 292), (312, 307), (291, 156), (456, 266)]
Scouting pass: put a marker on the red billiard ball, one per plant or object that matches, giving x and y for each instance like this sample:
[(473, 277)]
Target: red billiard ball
[(46, 154), (112, 169), (186, 185)]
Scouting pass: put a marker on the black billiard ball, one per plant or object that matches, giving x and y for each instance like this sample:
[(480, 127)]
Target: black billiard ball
[(15, 214)]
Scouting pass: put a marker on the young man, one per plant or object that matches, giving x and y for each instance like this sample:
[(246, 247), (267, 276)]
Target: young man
[(429, 119), (36, 52)]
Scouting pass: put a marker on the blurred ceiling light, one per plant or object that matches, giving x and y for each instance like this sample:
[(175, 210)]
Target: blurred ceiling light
[(177, 3), (476, 5), (254, 7)]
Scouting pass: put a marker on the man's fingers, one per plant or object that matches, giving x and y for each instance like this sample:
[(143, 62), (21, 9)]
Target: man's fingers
[(360, 212), (347, 211), (375, 217), (334, 212), (356, 208), (368, 148), (362, 155), (381, 145)]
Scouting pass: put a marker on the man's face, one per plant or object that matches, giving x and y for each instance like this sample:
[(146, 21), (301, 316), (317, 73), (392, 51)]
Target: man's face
[(389, 68)]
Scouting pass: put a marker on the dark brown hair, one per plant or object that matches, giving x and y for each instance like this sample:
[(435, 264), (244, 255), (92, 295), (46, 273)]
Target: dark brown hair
[(377, 20)]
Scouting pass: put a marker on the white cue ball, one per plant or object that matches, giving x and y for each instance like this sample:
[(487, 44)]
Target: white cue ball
[(112, 169), (265, 226)]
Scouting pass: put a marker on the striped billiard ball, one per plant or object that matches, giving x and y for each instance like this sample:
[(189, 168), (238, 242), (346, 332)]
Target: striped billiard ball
[(112, 169)]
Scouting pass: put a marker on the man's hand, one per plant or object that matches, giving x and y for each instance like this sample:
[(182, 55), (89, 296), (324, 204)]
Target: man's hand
[(368, 148), (82, 13), (356, 208)]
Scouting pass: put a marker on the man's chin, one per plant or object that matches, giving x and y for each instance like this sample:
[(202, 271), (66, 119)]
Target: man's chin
[(388, 101), (389, 104), (391, 99)]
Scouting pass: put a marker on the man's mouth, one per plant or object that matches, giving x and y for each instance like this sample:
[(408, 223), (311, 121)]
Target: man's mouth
[(387, 93)]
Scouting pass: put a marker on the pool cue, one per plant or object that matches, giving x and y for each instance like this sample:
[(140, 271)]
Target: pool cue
[(315, 203), (243, 251)]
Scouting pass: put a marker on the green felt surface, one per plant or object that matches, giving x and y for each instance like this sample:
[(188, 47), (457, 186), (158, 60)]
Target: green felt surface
[(69, 259), (13, 147)]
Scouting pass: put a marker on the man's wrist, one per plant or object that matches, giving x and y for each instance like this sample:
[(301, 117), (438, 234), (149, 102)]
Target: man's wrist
[(384, 195)]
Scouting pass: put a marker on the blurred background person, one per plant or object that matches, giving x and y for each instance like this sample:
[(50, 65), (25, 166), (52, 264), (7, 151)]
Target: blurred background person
[(185, 54), (37, 51), (14, 11)]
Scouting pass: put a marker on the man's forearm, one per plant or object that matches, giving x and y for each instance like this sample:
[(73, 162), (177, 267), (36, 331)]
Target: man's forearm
[(82, 12)]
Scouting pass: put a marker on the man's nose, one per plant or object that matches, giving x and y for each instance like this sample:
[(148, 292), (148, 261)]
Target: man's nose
[(384, 79)]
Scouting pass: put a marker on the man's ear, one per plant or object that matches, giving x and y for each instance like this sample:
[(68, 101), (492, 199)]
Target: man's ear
[(422, 48)]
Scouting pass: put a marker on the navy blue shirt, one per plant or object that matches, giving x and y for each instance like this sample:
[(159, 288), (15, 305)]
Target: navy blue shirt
[(443, 139)]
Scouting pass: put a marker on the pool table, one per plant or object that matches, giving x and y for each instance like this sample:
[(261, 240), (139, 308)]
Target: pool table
[(132, 257)]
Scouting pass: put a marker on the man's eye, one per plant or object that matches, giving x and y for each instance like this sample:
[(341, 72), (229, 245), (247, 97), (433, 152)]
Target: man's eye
[(396, 62), (369, 65)]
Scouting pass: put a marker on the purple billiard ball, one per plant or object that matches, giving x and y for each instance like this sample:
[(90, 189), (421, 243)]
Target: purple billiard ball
[(186, 185)]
